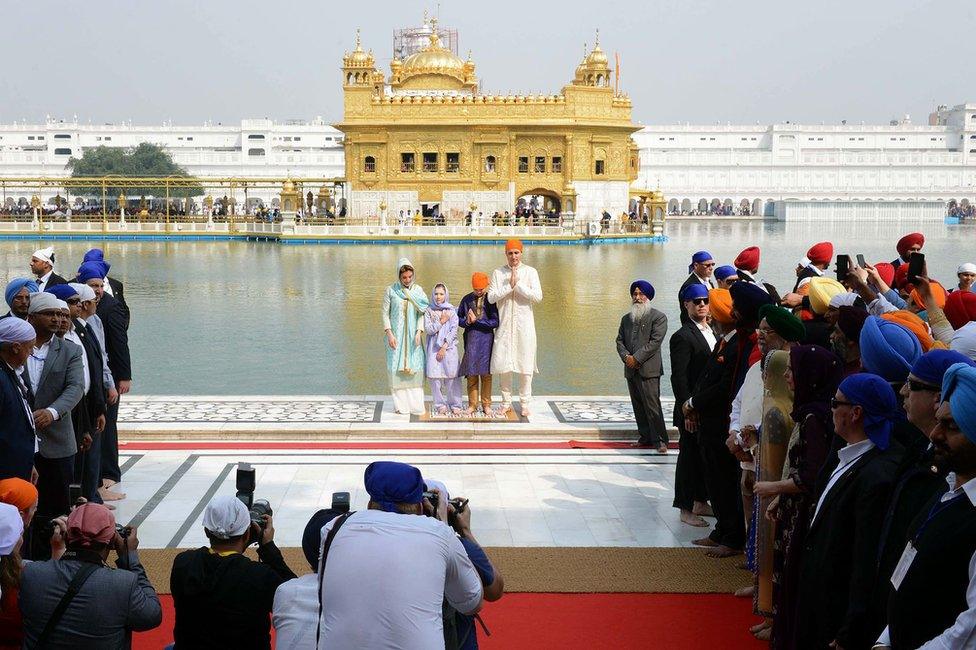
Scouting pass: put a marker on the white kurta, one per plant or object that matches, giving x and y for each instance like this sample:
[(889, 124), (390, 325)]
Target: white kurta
[(515, 343)]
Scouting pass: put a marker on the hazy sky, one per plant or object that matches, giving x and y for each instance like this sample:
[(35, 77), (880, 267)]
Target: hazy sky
[(702, 61)]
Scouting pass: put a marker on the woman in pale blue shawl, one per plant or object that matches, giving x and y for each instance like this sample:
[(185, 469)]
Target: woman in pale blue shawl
[(403, 319)]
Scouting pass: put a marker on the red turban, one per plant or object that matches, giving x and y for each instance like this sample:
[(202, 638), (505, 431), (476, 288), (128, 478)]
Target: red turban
[(479, 281), (748, 259), (886, 271), (960, 308), (901, 277), (513, 245), (909, 240), (821, 253)]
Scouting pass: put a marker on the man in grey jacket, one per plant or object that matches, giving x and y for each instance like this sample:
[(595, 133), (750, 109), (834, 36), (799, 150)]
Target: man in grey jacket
[(108, 604), (55, 377), (639, 340)]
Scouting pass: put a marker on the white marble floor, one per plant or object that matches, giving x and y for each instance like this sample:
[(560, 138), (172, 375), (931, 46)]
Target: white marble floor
[(519, 497)]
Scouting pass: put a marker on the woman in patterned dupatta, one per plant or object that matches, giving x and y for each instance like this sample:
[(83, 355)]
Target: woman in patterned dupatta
[(814, 373), (403, 319), (770, 456)]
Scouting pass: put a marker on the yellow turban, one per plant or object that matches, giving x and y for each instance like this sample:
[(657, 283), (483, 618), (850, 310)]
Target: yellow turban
[(821, 291)]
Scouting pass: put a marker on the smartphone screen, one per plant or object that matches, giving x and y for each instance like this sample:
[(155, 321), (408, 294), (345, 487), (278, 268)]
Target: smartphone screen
[(843, 267), (860, 261), (916, 266)]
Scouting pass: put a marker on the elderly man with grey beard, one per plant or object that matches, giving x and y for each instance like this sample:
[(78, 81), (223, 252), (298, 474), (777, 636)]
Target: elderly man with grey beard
[(639, 341)]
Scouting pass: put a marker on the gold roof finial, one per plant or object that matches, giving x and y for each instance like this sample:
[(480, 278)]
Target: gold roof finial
[(597, 37), (358, 45)]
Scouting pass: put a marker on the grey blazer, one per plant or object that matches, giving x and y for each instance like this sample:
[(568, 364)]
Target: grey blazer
[(643, 340), (61, 387)]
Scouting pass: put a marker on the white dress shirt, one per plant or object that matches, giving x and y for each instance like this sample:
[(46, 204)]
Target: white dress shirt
[(42, 281), (35, 366), (962, 634), (708, 333), (848, 456)]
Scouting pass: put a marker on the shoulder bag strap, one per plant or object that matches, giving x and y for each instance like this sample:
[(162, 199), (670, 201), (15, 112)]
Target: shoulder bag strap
[(325, 556), (87, 568)]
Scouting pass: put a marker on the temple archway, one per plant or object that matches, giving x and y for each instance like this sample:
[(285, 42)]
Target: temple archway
[(540, 200)]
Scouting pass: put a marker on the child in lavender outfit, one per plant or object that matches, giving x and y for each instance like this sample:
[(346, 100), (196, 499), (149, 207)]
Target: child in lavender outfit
[(441, 326)]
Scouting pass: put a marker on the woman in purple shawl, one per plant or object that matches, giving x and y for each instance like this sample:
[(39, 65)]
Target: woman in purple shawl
[(479, 318), (814, 373), (441, 326)]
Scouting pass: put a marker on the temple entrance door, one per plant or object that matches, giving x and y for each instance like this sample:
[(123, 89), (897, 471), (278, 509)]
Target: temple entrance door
[(538, 207), (432, 214)]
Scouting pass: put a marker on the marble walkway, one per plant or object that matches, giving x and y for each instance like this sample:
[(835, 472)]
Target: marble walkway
[(519, 496)]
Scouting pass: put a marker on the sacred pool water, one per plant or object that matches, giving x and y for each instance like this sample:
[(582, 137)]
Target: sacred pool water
[(212, 318)]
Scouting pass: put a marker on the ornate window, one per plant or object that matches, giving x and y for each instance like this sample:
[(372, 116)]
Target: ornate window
[(255, 152), (407, 163), (557, 164), (430, 162), (453, 163), (490, 164), (523, 164), (600, 168), (540, 165), (369, 164)]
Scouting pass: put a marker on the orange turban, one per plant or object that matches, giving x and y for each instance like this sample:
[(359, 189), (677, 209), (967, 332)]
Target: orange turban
[(513, 244), (720, 305), (912, 323), (938, 292), (17, 492), (479, 281)]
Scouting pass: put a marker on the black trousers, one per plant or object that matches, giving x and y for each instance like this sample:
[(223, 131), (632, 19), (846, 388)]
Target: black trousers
[(110, 444), (689, 472), (645, 397), (722, 481), (53, 477), (88, 469)]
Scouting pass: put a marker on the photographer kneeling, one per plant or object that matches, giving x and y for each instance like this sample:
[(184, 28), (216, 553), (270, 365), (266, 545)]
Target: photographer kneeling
[(77, 601), (386, 571), (223, 598)]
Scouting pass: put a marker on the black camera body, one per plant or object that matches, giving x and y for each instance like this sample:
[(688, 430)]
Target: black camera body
[(123, 531), (246, 482)]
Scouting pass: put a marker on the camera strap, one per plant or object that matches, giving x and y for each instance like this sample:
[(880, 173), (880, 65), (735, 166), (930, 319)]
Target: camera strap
[(84, 572), (322, 560)]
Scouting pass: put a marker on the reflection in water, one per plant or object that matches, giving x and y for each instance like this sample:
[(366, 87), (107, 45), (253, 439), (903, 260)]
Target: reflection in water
[(250, 318)]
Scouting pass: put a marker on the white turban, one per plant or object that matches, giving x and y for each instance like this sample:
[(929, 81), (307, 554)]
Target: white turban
[(45, 255), (226, 517), (964, 340), (16, 330), (11, 525), (84, 291), (803, 261), (62, 305), (42, 301), (845, 299), (968, 267)]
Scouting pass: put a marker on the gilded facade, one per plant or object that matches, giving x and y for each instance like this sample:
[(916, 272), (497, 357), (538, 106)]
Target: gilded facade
[(425, 137)]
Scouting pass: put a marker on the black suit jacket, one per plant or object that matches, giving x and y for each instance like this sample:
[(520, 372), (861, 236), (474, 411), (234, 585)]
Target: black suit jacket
[(643, 340), (55, 279), (96, 397), (16, 429), (712, 394), (691, 279), (689, 354), (839, 563), (119, 294), (116, 337)]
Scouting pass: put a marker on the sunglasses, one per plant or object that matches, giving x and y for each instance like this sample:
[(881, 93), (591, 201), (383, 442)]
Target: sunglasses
[(699, 301), (73, 301), (916, 386), (837, 403)]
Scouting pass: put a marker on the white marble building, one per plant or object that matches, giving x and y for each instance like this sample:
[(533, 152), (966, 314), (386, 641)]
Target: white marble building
[(699, 168)]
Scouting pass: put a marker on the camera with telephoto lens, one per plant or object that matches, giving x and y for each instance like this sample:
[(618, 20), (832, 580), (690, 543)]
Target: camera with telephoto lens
[(246, 482)]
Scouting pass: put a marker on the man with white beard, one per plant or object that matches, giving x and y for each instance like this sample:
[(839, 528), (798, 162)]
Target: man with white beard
[(639, 341)]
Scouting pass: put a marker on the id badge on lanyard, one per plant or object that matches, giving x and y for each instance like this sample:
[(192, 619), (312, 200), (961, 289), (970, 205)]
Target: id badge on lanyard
[(904, 564)]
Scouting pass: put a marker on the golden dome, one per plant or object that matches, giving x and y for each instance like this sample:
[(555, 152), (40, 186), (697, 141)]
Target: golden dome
[(288, 185), (358, 58), (434, 59), (597, 57)]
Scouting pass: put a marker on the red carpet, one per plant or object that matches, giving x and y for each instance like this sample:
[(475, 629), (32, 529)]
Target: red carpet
[(309, 444), (618, 621)]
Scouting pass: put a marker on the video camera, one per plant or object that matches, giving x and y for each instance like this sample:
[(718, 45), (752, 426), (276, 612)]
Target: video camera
[(246, 482)]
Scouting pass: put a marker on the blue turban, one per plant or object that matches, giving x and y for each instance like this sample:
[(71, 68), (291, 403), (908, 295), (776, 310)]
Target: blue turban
[(959, 389), (698, 258), (748, 298), (888, 349), (696, 290), (390, 483), (14, 287), (62, 291), (878, 402), (931, 366), (94, 254), (723, 272), (645, 288), (91, 270)]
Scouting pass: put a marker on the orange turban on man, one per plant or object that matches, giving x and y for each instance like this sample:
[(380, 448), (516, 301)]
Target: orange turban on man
[(18, 493), (720, 305), (821, 253), (938, 292), (513, 245), (479, 281), (913, 324)]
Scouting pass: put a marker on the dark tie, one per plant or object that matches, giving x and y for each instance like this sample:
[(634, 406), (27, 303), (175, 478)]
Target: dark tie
[(25, 388)]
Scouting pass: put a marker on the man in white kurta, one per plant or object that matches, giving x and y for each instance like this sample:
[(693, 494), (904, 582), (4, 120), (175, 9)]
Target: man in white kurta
[(515, 289)]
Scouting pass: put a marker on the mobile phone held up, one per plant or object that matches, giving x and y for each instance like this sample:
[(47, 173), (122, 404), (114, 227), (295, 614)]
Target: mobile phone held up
[(916, 267), (843, 267)]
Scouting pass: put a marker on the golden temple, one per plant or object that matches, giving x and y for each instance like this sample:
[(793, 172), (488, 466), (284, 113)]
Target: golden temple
[(426, 139)]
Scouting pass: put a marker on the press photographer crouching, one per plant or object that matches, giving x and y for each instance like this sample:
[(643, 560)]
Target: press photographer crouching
[(385, 572), (223, 598), (77, 601)]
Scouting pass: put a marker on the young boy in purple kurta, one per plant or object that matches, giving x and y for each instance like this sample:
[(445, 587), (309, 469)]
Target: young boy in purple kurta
[(441, 325), (479, 318)]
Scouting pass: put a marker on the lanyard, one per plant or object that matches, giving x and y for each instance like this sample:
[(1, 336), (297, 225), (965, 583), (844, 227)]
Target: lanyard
[(933, 513)]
